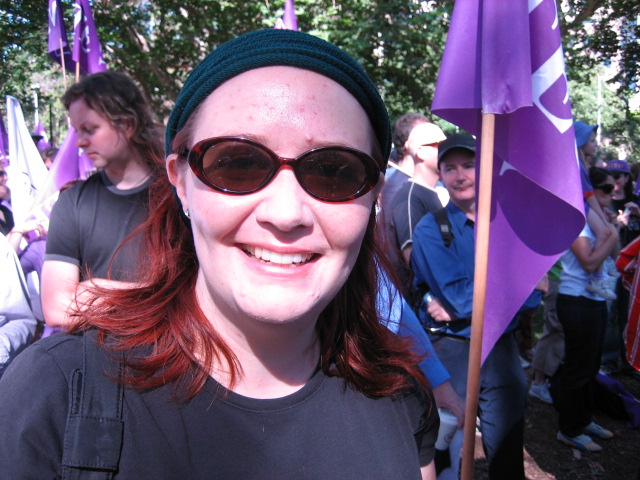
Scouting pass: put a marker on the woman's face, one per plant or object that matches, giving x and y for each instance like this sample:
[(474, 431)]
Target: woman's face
[(621, 180), (276, 255), (108, 147), (604, 199), (591, 147)]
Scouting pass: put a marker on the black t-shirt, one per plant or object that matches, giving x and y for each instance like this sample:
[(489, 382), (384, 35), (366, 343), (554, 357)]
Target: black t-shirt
[(412, 202), (326, 430), (90, 220)]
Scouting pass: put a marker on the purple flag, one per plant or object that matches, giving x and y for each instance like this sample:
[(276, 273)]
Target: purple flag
[(288, 20), (69, 164), (506, 58), (4, 143), (86, 45), (43, 143), (58, 36)]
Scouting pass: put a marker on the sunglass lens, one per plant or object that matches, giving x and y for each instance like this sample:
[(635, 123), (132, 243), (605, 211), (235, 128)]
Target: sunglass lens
[(332, 175), (236, 167)]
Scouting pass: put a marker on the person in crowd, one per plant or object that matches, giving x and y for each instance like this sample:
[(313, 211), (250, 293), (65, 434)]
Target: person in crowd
[(399, 172), (29, 240), (417, 196), (625, 203), (414, 199), (596, 217), (118, 132), (6, 215), (625, 206), (583, 316), (251, 342), (17, 323), (448, 270), (48, 155), (549, 348), (401, 168)]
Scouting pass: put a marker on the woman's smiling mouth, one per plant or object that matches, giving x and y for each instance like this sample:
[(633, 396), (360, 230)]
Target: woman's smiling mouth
[(268, 256)]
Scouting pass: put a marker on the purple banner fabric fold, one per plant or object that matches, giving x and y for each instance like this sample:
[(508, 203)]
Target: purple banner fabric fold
[(506, 58), (58, 36), (288, 20), (86, 45)]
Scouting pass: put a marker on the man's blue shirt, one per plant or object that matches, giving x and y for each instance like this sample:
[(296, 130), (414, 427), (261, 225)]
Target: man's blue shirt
[(448, 271)]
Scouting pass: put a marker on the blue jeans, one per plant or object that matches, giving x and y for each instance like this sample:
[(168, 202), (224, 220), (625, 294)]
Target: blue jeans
[(501, 403), (584, 322)]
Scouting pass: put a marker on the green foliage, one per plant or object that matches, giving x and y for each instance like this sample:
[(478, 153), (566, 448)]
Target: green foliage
[(399, 42)]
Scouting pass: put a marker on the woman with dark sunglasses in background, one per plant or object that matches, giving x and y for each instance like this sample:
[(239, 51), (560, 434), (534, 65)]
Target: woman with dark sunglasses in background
[(625, 205), (583, 316), (251, 347)]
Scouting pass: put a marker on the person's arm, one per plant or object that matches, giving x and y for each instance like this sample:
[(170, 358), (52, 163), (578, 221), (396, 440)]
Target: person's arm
[(19, 231), (17, 323), (58, 287), (591, 258), (428, 471), (406, 253), (446, 397), (62, 292), (442, 268)]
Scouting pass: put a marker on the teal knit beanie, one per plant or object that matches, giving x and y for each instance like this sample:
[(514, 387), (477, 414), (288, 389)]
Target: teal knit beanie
[(272, 47)]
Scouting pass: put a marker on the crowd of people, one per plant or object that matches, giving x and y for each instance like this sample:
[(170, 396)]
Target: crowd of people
[(284, 289)]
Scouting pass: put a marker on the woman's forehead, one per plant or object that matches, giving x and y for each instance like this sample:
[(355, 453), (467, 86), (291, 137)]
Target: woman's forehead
[(302, 102)]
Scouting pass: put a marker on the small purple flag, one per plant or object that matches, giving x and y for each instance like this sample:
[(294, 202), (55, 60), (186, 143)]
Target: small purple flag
[(86, 45), (69, 164), (4, 144), (288, 20), (506, 58), (43, 143), (58, 36)]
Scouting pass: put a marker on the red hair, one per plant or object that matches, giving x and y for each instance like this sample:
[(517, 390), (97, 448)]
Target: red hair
[(171, 340)]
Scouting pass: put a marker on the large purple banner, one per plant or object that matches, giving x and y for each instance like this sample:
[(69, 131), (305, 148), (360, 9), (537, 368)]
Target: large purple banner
[(505, 58)]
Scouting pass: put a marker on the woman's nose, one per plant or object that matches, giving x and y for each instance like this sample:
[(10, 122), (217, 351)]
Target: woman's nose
[(285, 204)]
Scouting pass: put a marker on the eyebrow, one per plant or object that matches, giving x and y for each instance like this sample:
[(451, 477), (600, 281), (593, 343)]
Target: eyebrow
[(264, 140)]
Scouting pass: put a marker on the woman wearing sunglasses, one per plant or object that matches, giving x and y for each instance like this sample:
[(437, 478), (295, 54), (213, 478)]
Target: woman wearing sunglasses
[(583, 316), (252, 347)]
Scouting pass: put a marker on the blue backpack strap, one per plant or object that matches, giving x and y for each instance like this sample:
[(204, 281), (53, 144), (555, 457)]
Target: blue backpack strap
[(93, 435)]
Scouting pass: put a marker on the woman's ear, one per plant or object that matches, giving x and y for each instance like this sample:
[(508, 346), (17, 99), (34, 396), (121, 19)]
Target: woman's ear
[(378, 188), (177, 176)]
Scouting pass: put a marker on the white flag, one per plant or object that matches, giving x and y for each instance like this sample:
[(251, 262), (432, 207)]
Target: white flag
[(27, 172)]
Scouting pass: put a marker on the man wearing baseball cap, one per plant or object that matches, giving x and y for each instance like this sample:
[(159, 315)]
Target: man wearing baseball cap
[(443, 258)]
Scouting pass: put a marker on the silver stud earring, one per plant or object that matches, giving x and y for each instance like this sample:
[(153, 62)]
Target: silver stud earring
[(186, 213)]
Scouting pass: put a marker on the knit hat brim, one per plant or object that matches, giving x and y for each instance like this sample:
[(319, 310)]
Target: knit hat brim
[(273, 47)]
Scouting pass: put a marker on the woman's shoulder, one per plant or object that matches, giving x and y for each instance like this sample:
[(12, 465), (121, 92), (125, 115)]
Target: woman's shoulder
[(59, 353)]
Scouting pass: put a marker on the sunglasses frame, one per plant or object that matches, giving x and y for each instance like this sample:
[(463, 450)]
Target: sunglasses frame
[(195, 158), (608, 185), (617, 175)]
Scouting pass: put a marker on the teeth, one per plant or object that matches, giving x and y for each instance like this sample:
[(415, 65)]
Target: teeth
[(279, 258)]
